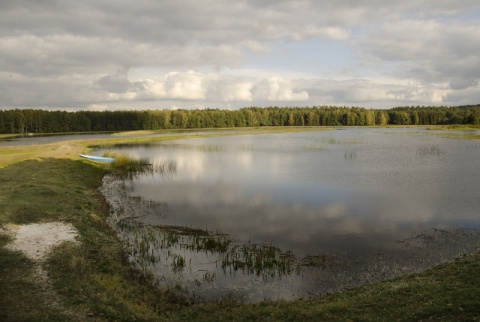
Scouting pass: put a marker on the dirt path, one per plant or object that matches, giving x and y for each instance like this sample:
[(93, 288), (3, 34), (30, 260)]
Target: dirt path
[(36, 241)]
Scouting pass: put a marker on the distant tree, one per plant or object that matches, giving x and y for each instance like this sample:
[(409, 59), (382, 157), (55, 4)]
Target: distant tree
[(41, 121)]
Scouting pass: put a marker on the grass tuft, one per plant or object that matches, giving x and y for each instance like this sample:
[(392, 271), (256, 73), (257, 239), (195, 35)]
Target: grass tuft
[(126, 163)]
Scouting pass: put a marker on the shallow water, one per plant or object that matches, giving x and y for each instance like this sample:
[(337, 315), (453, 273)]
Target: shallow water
[(293, 214)]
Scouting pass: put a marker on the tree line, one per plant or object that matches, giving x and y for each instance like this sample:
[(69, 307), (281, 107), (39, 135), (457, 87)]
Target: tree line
[(42, 121)]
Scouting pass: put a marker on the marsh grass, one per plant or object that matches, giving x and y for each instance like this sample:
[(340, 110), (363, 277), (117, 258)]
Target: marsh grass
[(195, 147), (265, 261), (350, 155), (314, 148), (458, 127), (429, 150), (246, 147), (473, 146), (126, 163), (7, 136), (150, 247), (165, 167), (454, 131), (343, 141), (170, 249), (320, 261), (472, 137), (127, 166)]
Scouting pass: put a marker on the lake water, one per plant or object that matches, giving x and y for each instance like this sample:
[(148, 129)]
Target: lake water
[(34, 139), (294, 214), (46, 139)]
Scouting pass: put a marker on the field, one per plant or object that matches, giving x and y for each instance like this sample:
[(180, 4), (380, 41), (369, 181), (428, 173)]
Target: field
[(89, 279)]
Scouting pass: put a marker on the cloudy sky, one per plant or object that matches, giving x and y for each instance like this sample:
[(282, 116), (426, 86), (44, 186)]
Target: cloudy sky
[(146, 54)]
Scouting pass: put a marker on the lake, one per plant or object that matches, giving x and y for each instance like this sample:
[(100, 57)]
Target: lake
[(289, 215)]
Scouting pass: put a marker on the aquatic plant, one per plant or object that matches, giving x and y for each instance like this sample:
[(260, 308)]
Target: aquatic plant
[(343, 141), (318, 261), (246, 147), (178, 262), (266, 261), (197, 147), (314, 148), (130, 167), (163, 167), (209, 277), (126, 163), (427, 150), (350, 155)]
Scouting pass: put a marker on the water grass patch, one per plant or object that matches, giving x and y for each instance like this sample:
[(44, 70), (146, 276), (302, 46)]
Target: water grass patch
[(127, 163), (429, 150)]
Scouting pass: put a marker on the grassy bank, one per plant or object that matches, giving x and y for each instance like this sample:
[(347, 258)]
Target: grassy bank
[(456, 127), (90, 280)]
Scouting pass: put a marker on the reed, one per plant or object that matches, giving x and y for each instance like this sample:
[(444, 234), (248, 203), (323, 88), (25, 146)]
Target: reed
[(126, 163), (178, 262), (426, 150), (458, 127), (314, 148)]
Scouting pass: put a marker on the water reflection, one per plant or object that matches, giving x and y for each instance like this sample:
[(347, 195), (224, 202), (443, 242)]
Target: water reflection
[(269, 216)]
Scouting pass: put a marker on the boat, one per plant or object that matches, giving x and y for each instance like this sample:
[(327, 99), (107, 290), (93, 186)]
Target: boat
[(98, 159)]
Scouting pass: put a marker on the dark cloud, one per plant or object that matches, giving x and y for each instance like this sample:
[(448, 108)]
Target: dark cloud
[(463, 83), (470, 95), (114, 84), (78, 47)]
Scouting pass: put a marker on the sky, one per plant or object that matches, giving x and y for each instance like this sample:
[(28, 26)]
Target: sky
[(191, 54)]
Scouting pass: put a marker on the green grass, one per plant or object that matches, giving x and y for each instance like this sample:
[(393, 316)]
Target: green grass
[(20, 294), (458, 127), (91, 280), (124, 163), (7, 136), (91, 277)]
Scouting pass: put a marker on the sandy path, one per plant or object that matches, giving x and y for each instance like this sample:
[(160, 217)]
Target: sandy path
[(36, 240)]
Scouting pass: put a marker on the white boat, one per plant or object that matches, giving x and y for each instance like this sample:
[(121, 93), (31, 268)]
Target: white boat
[(98, 159)]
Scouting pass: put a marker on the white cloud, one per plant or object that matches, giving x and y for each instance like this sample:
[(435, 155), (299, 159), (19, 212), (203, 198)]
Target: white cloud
[(177, 85), (97, 107), (363, 92), (188, 85), (198, 86), (278, 90), (230, 89), (185, 52)]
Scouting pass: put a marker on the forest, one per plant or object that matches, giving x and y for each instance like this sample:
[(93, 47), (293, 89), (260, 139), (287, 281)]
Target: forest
[(21, 121)]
